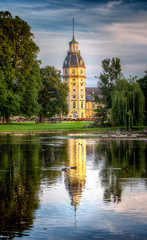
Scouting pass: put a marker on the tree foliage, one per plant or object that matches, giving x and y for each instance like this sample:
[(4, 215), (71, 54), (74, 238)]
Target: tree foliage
[(53, 93), (127, 104), (108, 78), (143, 85), (101, 114), (19, 68)]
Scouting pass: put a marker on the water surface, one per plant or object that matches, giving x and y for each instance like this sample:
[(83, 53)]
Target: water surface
[(103, 198)]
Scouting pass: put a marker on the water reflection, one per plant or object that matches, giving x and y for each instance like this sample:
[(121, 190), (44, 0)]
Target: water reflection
[(123, 160), (106, 192), (75, 179), (19, 184)]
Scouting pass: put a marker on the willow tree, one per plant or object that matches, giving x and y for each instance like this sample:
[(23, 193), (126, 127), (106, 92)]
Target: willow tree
[(127, 104), (143, 85)]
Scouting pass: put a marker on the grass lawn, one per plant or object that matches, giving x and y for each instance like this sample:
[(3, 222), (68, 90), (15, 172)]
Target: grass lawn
[(29, 126)]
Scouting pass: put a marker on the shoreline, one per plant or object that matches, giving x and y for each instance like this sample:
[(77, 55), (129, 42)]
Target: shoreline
[(102, 134)]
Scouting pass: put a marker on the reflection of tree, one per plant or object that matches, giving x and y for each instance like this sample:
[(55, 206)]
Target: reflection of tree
[(19, 184), (23, 159), (123, 159), (53, 154), (112, 186)]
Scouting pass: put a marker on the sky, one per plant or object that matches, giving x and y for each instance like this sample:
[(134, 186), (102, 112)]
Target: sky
[(103, 28)]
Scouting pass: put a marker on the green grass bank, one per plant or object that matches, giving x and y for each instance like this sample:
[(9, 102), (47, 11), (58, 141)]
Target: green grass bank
[(29, 126)]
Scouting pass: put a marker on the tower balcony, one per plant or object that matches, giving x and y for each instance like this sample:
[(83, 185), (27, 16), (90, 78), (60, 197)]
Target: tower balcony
[(74, 75)]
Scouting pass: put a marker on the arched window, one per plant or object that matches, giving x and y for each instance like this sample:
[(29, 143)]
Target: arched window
[(82, 115), (65, 71), (81, 104)]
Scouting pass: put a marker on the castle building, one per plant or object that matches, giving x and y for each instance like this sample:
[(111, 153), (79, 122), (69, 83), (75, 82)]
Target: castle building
[(80, 101)]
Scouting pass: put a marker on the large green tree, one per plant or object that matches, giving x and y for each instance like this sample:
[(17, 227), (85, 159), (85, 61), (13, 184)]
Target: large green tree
[(19, 68), (53, 93), (143, 85), (108, 78), (127, 104)]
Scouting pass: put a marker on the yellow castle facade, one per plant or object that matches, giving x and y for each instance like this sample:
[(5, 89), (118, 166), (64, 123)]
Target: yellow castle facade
[(80, 101)]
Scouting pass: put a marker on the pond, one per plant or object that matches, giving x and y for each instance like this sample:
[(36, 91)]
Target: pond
[(104, 197)]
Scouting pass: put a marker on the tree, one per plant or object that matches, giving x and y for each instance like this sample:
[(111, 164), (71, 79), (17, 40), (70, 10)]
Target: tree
[(108, 78), (143, 85), (127, 104), (18, 59), (101, 114), (53, 93)]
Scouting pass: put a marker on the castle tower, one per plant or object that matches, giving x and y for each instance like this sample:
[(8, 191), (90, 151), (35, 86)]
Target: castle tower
[(74, 76)]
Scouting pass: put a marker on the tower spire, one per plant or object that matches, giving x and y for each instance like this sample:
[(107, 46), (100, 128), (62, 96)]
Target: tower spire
[(73, 31)]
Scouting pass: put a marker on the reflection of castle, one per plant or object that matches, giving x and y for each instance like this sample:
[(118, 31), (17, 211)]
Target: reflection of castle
[(75, 179)]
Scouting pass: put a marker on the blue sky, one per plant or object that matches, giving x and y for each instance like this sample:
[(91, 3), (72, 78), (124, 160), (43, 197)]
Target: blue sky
[(104, 29)]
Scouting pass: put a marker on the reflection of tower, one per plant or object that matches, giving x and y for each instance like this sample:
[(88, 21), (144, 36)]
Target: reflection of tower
[(75, 179)]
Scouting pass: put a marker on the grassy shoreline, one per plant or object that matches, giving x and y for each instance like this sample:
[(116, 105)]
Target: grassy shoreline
[(73, 126)]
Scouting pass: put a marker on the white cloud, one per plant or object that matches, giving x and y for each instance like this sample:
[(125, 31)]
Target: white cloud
[(134, 33), (113, 3)]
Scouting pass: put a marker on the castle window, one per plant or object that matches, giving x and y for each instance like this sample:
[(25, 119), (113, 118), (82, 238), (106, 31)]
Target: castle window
[(82, 97), (82, 115), (73, 71), (65, 71), (74, 105), (81, 71), (74, 97), (93, 105), (81, 104), (74, 48), (73, 79)]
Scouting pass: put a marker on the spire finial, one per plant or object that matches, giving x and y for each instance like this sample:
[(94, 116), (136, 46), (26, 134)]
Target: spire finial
[(73, 30)]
